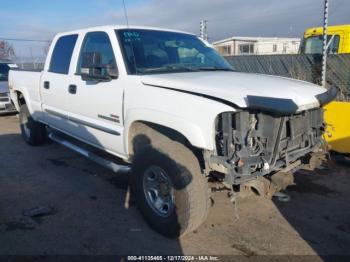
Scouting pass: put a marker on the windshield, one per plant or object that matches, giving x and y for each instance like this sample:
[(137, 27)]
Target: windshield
[(149, 51), (4, 72), (314, 44)]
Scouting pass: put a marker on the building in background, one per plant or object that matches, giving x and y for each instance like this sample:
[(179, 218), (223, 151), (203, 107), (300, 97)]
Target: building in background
[(257, 46)]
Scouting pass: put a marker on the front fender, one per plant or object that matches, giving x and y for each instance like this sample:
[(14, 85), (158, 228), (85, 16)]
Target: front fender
[(192, 132)]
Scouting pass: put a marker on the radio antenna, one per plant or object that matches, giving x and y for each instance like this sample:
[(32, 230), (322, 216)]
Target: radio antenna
[(131, 43), (126, 14)]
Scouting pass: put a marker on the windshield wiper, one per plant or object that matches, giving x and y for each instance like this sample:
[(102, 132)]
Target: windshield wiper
[(168, 68), (181, 68), (215, 69)]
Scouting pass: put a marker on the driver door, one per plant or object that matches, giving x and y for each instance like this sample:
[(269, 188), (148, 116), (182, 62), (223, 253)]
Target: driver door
[(95, 107)]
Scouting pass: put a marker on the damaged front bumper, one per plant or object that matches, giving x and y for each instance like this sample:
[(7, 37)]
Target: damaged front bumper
[(253, 144)]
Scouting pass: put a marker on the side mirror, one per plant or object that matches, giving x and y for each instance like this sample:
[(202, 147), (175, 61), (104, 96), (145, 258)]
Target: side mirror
[(112, 71), (92, 68)]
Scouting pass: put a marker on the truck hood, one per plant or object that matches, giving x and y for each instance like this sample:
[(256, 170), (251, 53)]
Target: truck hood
[(243, 90), (4, 87)]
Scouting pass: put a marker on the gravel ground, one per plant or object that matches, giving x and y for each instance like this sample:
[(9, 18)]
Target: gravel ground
[(89, 214)]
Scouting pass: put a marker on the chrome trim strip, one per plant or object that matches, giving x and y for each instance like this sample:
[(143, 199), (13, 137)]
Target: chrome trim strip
[(84, 123), (115, 120)]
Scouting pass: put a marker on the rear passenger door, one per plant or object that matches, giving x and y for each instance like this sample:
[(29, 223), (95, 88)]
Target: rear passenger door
[(55, 82)]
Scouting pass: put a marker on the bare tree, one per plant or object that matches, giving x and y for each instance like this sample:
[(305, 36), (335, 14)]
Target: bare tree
[(6, 50)]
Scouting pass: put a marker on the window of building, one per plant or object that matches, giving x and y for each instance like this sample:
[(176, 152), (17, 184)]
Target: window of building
[(274, 48), (226, 50), (62, 54), (246, 49), (285, 45)]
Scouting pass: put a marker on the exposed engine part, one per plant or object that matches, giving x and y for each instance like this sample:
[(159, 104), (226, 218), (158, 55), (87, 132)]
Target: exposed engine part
[(268, 187), (233, 195), (253, 144), (261, 186), (282, 180), (316, 160)]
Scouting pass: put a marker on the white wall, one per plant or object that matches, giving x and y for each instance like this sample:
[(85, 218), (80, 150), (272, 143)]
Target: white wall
[(282, 47), (262, 46)]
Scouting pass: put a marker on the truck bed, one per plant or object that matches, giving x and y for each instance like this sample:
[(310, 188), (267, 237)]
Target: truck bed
[(27, 70), (27, 82)]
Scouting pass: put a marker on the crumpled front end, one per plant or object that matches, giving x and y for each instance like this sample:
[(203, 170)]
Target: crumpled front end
[(250, 144)]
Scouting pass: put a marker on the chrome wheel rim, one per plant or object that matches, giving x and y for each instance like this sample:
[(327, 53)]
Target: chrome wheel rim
[(25, 126), (158, 191)]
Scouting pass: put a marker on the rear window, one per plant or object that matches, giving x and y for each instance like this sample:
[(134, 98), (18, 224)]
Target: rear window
[(62, 54), (4, 72)]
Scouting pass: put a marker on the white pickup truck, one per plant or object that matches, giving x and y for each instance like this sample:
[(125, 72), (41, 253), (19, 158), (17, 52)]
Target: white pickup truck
[(169, 105)]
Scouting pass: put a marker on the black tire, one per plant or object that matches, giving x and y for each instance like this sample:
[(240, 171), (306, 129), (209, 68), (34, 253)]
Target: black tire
[(189, 185), (34, 133)]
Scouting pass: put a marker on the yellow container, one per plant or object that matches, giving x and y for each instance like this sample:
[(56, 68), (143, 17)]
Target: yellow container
[(337, 117)]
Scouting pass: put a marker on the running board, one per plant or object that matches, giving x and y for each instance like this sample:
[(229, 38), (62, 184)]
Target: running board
[(97, 159)]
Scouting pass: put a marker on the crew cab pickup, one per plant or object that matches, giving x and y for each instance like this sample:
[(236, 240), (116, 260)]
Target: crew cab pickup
[(169, 105)]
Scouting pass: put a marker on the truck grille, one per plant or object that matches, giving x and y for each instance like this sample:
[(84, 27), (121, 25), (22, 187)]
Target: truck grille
[(3, 95)]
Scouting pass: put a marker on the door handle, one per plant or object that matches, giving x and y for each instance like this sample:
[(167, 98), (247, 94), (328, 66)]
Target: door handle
[(47, 85), (72, 89)]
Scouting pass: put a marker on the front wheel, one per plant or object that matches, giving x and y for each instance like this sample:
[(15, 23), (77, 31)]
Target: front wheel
[(170, 189), (33, 132)]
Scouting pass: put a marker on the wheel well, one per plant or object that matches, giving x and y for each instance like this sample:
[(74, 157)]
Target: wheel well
[(20, 98), (154, 133)]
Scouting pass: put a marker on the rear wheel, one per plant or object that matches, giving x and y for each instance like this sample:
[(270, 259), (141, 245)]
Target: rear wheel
[(33, 132), (170, 189)]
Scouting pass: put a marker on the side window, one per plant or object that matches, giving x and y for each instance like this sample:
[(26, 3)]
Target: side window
[(62, 54), (334, 46), (274, 48), (98, 42)]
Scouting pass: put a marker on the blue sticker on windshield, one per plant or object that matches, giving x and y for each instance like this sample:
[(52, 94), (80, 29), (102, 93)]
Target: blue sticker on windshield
[(131, 36)]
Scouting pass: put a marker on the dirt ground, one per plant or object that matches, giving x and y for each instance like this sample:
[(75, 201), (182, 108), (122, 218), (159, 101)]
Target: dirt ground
[(90, 216)]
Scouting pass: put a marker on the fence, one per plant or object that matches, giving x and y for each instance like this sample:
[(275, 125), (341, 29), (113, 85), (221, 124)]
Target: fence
[(303, 67), (31, 66)]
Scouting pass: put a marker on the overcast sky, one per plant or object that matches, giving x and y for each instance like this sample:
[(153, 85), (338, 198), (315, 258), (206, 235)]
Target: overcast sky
[(37, 19)]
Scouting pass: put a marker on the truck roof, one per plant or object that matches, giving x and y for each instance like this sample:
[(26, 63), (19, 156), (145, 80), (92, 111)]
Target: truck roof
[(116, 27), (319, 30)]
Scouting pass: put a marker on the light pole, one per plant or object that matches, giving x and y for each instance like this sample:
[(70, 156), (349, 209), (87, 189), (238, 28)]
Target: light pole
[(204, 30), (325, 43)]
